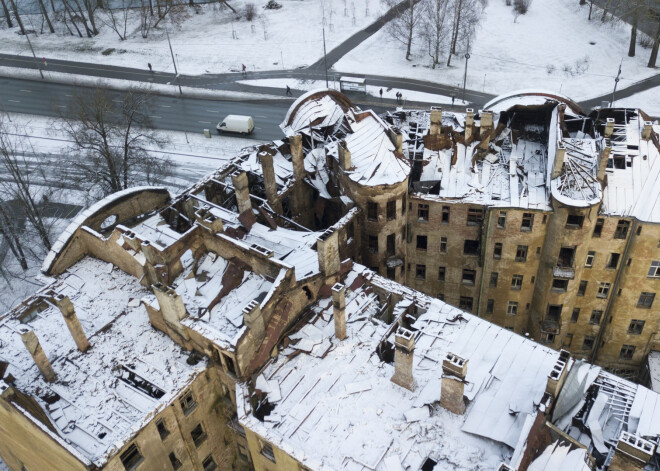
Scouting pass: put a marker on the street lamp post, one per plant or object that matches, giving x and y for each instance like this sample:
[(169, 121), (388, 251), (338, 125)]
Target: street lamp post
[(616, 82), (325, 60), (467, 57), (27, 36), (176, 72)]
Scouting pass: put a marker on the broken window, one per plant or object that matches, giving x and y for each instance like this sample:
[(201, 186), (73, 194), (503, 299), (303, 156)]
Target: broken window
[(350, 231), (521, 253), (554, 312), (603, 290), (516, 281), (198, 435), (627, 352), (372, 211), (621, 229), (176, 463), (575, 315), (548, 338), (445, 214), (267, 451), (131, 458), (373, 244), (403, 205), (590, 259), (465, 303), (654, 271), (475, 216), (619, 161), (560, 285), (420, 272), (574, 221), (567, 340), (512, 308), (443, 244), (421, 242), (497, 250), (137, 382), (636, 326), (596, 316), (613, 262), (493, 279), (391, 272), (391, 210), (429, 464), (588, 342), (527, 222), (598, 228), (566, 257), (582, 288), (490, 306), (501, 220), (188, 403), (471, 247), (441, 273), (209, 463), (646, 300), (423, 212), (441, 296), (162, 429), (391, 245), (469, 276)]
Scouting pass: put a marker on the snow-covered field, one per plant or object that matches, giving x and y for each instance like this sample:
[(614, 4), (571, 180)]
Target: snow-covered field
[(204, 43), (648, 101), (532, 53), (372, 90)]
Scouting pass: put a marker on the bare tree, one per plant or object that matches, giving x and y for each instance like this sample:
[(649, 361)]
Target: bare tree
[(466, 16), (117, 18), (114, 144), (6, 12), (655, 15), (17, 16), (435, 26), (44, 13), (403, 27)]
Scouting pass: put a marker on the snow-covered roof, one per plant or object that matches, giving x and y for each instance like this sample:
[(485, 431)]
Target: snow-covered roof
[(316, 109), (349, 415), (529, 97), (654, 370), (103, 396)]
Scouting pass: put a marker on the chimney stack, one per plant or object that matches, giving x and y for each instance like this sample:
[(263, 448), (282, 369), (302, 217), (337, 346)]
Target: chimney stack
[(327, 249), (208, 220), (632, 453), (469, 124), (72, 322), (300, 202), (558, 374), (647, 131), (339, 310), (454, 371), (602, 161), (397, 139), (242, 189), (253, 319), (404, 349), (486, 123), (609, 127), (344, 155), (436, 121), (558, 165), (33, 346), (270, 182)]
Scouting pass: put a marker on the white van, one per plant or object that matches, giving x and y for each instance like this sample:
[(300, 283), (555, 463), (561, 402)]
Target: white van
[(236, 123)]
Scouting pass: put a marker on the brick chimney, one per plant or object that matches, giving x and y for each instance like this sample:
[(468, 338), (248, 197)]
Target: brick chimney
[(436, 121), (270, 182), (397, 138), (486, 123), (327, 249), (558, 165), (344, 155), (254, 320), (602, 160), (297, 157), (339, 310), (558, 374), (454, 371), (404, 349), (469, 124), (632, 453), (208, 220), (33, 346), (72, 322), (647, 130), (242, 189), (609, 127)]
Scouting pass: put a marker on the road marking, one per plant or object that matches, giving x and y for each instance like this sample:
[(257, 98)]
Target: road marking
[(204, 122), (118, 101), (263, 117), (61, 106), (257, 127), (66, 94), (213, 111), (29, 91), (165, 106), (157, 117), (14, 101)]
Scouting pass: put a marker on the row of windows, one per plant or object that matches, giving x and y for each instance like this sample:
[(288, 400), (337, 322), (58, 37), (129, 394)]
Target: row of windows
[(390, 210)]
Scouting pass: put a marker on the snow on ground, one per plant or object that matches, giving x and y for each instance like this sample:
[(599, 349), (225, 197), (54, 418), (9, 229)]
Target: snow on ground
[(3, 466), (372, 90), (648, 101), (507, 56), (286, 38)]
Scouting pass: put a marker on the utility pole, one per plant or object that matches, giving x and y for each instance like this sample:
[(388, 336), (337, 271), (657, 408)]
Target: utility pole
[(467, 57), (176, 72), (325, 60), (616, 82), (27, 36)]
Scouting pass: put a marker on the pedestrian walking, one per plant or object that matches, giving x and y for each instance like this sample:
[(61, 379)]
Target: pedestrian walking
[(288, 91), (44, 61), (381, 94), (150, 68), (453, 98), (244, 70)]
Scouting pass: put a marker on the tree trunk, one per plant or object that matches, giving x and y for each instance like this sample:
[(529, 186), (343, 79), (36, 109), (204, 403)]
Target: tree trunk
[(45, 14), (7, 15), (7, 230), (633, 34), (605, 10), (591, 8), (411, 26), (656, 45), (90, 15), (18, 18), (455, 29)]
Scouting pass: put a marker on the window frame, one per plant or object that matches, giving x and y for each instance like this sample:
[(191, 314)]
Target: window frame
[(603, 290), (636, 327), (443, 245), (645, 300), (501, 220), (464, 301), (591, 258), (470, 274), (627, 352), (442, 273), (527, 222), (512, 308), (655, 269), (390, 210), (423, 212), (188, 403), (517, 281), (425, 243), (372, 211), (201, 437), (420, 271), (131, 450), (521, 253), (475, 216), (497, 250)]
